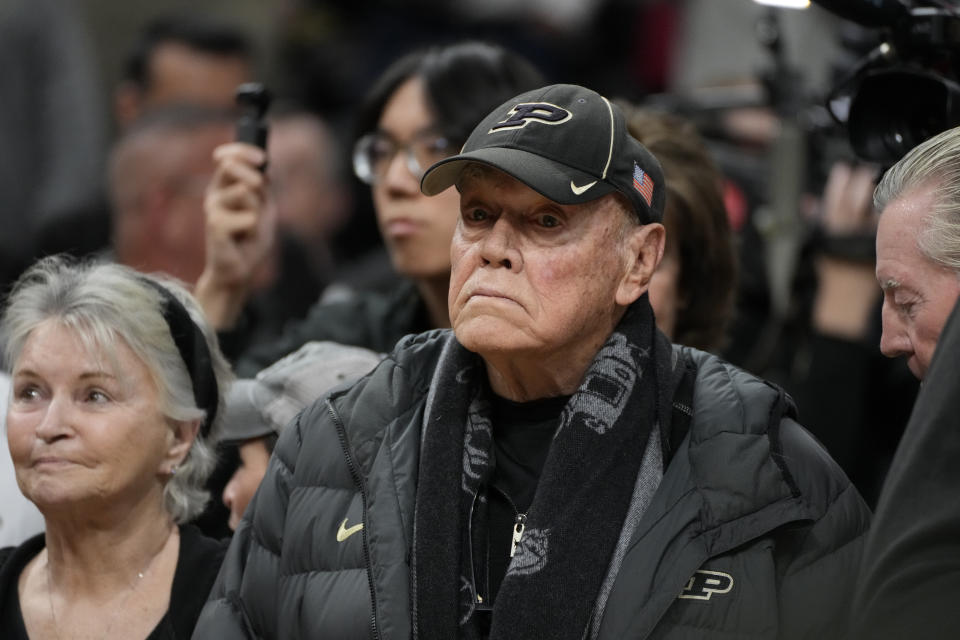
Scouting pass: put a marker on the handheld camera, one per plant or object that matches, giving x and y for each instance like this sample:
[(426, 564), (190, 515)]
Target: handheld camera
[(253, 100)]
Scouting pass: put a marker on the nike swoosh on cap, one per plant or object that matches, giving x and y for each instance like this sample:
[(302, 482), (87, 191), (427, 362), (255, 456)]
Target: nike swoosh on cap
[(579, 190)]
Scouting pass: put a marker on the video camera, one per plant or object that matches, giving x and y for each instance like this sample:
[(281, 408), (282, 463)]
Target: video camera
[(905, 90)]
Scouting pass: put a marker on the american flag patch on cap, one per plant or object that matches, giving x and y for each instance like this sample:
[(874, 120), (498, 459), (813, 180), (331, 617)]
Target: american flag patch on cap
[(643, 183)]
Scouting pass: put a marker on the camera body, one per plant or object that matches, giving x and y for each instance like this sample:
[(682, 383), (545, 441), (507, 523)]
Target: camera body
[(905, 90)]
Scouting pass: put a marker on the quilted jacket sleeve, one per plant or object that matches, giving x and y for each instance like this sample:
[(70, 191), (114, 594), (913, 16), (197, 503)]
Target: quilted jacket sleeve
[(822, 557), (240, 604)]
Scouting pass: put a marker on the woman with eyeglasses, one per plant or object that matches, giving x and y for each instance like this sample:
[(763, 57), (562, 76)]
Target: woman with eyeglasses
[(421, 110)]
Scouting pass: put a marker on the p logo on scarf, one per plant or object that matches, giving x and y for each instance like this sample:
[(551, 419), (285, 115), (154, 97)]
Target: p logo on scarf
[(601, 398)]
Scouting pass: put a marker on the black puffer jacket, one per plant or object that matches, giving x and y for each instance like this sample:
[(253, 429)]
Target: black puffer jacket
[(754, 532)]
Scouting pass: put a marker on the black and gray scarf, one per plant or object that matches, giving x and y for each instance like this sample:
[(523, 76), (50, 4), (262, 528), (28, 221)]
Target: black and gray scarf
[(581, 501)]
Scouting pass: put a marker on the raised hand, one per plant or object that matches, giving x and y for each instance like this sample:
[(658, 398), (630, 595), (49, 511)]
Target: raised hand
[(240, 231)]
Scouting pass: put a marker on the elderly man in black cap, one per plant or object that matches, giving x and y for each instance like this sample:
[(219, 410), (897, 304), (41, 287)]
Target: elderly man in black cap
[(552, 467)]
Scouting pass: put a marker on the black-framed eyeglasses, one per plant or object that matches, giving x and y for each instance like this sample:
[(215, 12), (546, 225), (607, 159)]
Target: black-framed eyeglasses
[(374, 152)]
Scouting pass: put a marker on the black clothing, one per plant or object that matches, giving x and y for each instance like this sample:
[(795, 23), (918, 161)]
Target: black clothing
[(522, 434), (908, 586), (747, 495), (575, 522), (855, 401), (850, 397), (197, 565)]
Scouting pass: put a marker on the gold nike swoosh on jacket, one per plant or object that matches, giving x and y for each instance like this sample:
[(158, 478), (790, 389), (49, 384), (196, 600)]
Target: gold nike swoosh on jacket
[(345, 532)]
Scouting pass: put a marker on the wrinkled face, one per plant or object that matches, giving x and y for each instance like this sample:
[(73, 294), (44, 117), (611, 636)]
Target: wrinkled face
[(254, 458), (84, 430), (532, 277), (416, 228), (918, 294), (311, 202)]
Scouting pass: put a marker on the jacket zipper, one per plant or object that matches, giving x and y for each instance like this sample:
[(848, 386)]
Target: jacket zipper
[(518, 526), (519, 522), (355, 474)]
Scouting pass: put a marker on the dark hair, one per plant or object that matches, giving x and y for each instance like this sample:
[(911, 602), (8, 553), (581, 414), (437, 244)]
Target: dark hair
[(463, 81), (697, 225), (201, 34)]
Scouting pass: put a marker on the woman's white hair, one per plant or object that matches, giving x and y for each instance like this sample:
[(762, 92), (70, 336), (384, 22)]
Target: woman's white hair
[(933, 165), (102, 302)]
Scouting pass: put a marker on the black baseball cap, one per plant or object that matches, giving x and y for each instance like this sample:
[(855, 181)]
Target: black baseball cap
[(566, 142)]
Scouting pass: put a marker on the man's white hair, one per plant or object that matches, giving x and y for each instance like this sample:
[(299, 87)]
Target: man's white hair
[(933, 165)]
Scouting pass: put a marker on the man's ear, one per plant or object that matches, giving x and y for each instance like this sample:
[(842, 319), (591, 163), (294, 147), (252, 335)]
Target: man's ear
[(645, 244), (182, 435)]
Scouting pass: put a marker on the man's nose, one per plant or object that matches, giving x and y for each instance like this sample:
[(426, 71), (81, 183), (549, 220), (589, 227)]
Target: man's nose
[(229, 493), (499, 246), (894, 341)]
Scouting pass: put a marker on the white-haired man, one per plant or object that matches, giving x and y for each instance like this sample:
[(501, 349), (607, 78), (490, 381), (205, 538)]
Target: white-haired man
[(908, 581), (918, 248)]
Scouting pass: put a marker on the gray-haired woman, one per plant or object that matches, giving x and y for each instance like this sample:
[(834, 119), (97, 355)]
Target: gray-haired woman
[(117, 385)]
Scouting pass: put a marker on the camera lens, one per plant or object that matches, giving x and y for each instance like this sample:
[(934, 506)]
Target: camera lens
[(895, 110)]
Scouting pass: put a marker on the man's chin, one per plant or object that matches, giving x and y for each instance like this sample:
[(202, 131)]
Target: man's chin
[(916, 368), (485, 334)]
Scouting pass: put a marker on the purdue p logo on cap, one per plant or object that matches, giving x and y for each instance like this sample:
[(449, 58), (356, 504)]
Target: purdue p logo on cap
[(526, 112), (589, 155)]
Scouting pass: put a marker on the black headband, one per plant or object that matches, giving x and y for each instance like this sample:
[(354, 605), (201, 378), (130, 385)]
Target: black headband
[(192, 345)]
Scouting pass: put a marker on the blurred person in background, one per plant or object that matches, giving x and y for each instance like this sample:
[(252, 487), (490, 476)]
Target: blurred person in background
[(420, 110), (182, 60), (51, 125), (117, 387), (158, 174), (175, 60), (308, 180), (693, 288), (257, 409), (159, 171)]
